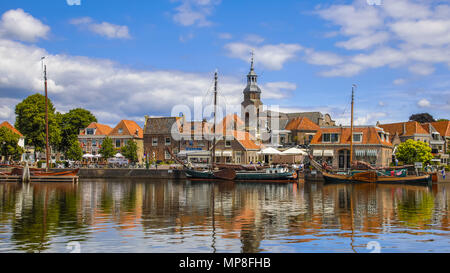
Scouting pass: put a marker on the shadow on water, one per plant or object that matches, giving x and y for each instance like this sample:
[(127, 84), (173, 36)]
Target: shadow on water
[(186, 216)]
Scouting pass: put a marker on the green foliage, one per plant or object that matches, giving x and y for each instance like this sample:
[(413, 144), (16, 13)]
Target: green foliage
[(414, 151), (70, 124), (9, 144), (422, 118), (30, 121), (442, 119), (130, 151), (107, 150), (74, 152)]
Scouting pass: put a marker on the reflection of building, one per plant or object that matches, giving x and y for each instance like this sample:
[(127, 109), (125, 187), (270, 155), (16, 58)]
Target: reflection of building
[(370, 144)]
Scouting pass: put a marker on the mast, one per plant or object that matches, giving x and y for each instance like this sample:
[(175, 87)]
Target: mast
[(46, 120), (214, 125), (351, 126)]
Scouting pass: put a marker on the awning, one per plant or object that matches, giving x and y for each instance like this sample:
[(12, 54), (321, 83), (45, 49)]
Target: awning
[(294, 151), (360, 152), (328, 153), (317, 153), (372, 153), (269, 151), (227, 153), (219, 153)]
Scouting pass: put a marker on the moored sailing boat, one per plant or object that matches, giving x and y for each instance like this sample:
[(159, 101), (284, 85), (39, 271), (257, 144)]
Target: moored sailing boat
[(371, 175)]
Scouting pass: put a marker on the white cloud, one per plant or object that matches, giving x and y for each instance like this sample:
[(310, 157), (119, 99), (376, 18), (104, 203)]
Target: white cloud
[(398, 34), (399, 81), (19, 25), (74, 2), (424, 103), (277, 90), (194, 12), (105, 29), (253, 39), (271, 57), (421, 69), (111, 91), (322, 58), (225, 36)]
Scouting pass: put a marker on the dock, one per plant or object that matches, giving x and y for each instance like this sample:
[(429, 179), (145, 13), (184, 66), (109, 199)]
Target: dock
[(49, 179)]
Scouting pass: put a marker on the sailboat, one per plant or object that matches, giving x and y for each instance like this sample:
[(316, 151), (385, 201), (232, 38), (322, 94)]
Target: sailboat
[(223, 174), (26, 174), (372, 175)]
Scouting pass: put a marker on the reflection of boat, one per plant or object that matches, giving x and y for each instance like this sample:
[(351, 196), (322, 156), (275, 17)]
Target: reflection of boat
[(373, 177)]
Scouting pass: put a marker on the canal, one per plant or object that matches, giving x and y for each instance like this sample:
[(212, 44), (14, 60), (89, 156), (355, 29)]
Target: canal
[(183, 216)]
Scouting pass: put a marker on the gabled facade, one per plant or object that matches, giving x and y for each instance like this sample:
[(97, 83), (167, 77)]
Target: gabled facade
[(370, 144), (91, 138)]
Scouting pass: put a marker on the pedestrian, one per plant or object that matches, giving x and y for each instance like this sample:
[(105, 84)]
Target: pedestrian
[(396, 162), (443, 173)]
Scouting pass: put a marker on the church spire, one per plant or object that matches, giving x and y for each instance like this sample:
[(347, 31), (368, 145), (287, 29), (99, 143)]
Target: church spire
[(252, 77)]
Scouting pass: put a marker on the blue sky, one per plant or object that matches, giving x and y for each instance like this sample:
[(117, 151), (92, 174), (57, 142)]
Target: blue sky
[(127, 59)]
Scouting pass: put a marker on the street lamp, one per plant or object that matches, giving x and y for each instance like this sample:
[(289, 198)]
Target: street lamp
[(4, 149)]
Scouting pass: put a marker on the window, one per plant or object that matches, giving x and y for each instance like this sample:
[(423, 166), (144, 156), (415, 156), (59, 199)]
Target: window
[(166, 155), (357, 137), (326, 137), (125, 142), (94, 143), (334, 137), (117, 143), (155, 141), (90, 131), (168, 141), (120, 130), (227, 143)]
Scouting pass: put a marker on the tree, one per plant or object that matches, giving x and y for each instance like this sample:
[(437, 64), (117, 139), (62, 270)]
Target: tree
[(414, 151), (70, 124), (422, 118), (74, 152), (107, 150), (30, 121), (9, 143), (442, 119), (130, 151)]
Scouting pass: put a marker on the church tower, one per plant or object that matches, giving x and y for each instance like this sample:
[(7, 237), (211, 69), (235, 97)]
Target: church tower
[(252, 105)]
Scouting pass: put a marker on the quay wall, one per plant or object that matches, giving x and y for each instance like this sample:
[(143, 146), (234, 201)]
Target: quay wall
[(129, 173)]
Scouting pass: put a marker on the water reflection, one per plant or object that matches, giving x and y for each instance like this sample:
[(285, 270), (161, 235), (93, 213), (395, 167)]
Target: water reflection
[(183, 216)]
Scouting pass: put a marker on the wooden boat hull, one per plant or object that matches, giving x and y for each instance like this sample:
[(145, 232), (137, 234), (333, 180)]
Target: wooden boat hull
[(247, 176), (338, 178), (226, 174)]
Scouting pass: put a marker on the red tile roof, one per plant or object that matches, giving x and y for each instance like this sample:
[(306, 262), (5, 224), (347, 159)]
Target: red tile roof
[(411, 127), (244, 138), (129, 128), (228, 123), (10, 127), (101, 129), (370, 135), (302, 123), (443, 127)]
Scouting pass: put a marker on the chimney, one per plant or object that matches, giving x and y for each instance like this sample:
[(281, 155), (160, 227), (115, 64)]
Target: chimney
[(235, 122), (203, 127)]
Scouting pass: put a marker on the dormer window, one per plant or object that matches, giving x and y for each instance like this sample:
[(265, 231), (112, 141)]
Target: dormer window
[(90, 131), (330, 137), (357, 137), (120, 130)]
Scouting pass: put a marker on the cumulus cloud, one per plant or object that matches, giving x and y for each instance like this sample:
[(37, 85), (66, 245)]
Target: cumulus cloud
[(194, 12), (424, 103), (111, 91), (16, 24), (105, 29), (271, 57), (398, 33)]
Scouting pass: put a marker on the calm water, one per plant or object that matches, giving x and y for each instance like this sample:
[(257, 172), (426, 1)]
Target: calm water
[(183, 216)]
